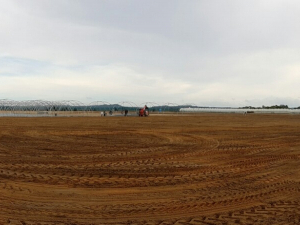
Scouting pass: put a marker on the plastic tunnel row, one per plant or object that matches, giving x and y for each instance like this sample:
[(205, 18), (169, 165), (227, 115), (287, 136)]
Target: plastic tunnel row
[(54, 108)]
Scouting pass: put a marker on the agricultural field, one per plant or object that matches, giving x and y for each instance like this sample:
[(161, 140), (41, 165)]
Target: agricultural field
[(181, 169)]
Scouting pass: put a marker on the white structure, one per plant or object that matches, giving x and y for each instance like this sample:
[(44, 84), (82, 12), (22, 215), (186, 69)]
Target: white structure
[(42, 108), (237, 110)]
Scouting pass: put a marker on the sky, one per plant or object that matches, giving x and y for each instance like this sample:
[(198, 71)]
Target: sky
[(202, 52)]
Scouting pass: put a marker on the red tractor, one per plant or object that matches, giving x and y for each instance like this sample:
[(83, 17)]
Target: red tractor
[(144, 111)]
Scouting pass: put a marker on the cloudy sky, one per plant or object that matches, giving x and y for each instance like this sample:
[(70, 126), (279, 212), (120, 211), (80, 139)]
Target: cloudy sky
[(212, 53)]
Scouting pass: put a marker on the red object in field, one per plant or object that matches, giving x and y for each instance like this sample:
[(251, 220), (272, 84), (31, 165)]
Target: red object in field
[(144, 111)]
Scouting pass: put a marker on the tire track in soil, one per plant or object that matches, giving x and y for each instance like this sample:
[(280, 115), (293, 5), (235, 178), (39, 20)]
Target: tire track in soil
[(98, 171)]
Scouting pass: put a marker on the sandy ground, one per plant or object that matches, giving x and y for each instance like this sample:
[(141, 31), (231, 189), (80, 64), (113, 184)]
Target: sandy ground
[(181, 170)]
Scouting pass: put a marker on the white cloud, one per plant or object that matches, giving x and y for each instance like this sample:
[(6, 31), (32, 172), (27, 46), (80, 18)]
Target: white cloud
[(206, 52)]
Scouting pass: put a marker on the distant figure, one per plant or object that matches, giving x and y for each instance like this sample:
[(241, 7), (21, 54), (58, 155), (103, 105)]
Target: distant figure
[(126, 112), (144, 111)]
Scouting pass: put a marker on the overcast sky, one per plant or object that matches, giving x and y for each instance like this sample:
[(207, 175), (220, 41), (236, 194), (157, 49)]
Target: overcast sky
[(210, 53)]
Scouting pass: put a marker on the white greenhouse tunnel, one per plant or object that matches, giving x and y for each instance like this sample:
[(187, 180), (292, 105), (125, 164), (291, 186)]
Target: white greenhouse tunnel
[(238, 110)]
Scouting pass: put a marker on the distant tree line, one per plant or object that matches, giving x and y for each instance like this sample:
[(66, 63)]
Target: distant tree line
[(276, 107), (268, 107)]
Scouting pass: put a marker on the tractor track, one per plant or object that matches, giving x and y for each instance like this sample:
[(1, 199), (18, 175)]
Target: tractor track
[(184, 170)]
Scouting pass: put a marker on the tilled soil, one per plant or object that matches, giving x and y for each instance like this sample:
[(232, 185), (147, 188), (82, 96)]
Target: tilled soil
[(180, 169)]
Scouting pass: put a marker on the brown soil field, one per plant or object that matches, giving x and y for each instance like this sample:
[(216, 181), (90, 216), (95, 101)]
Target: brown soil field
[(159, 170)]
